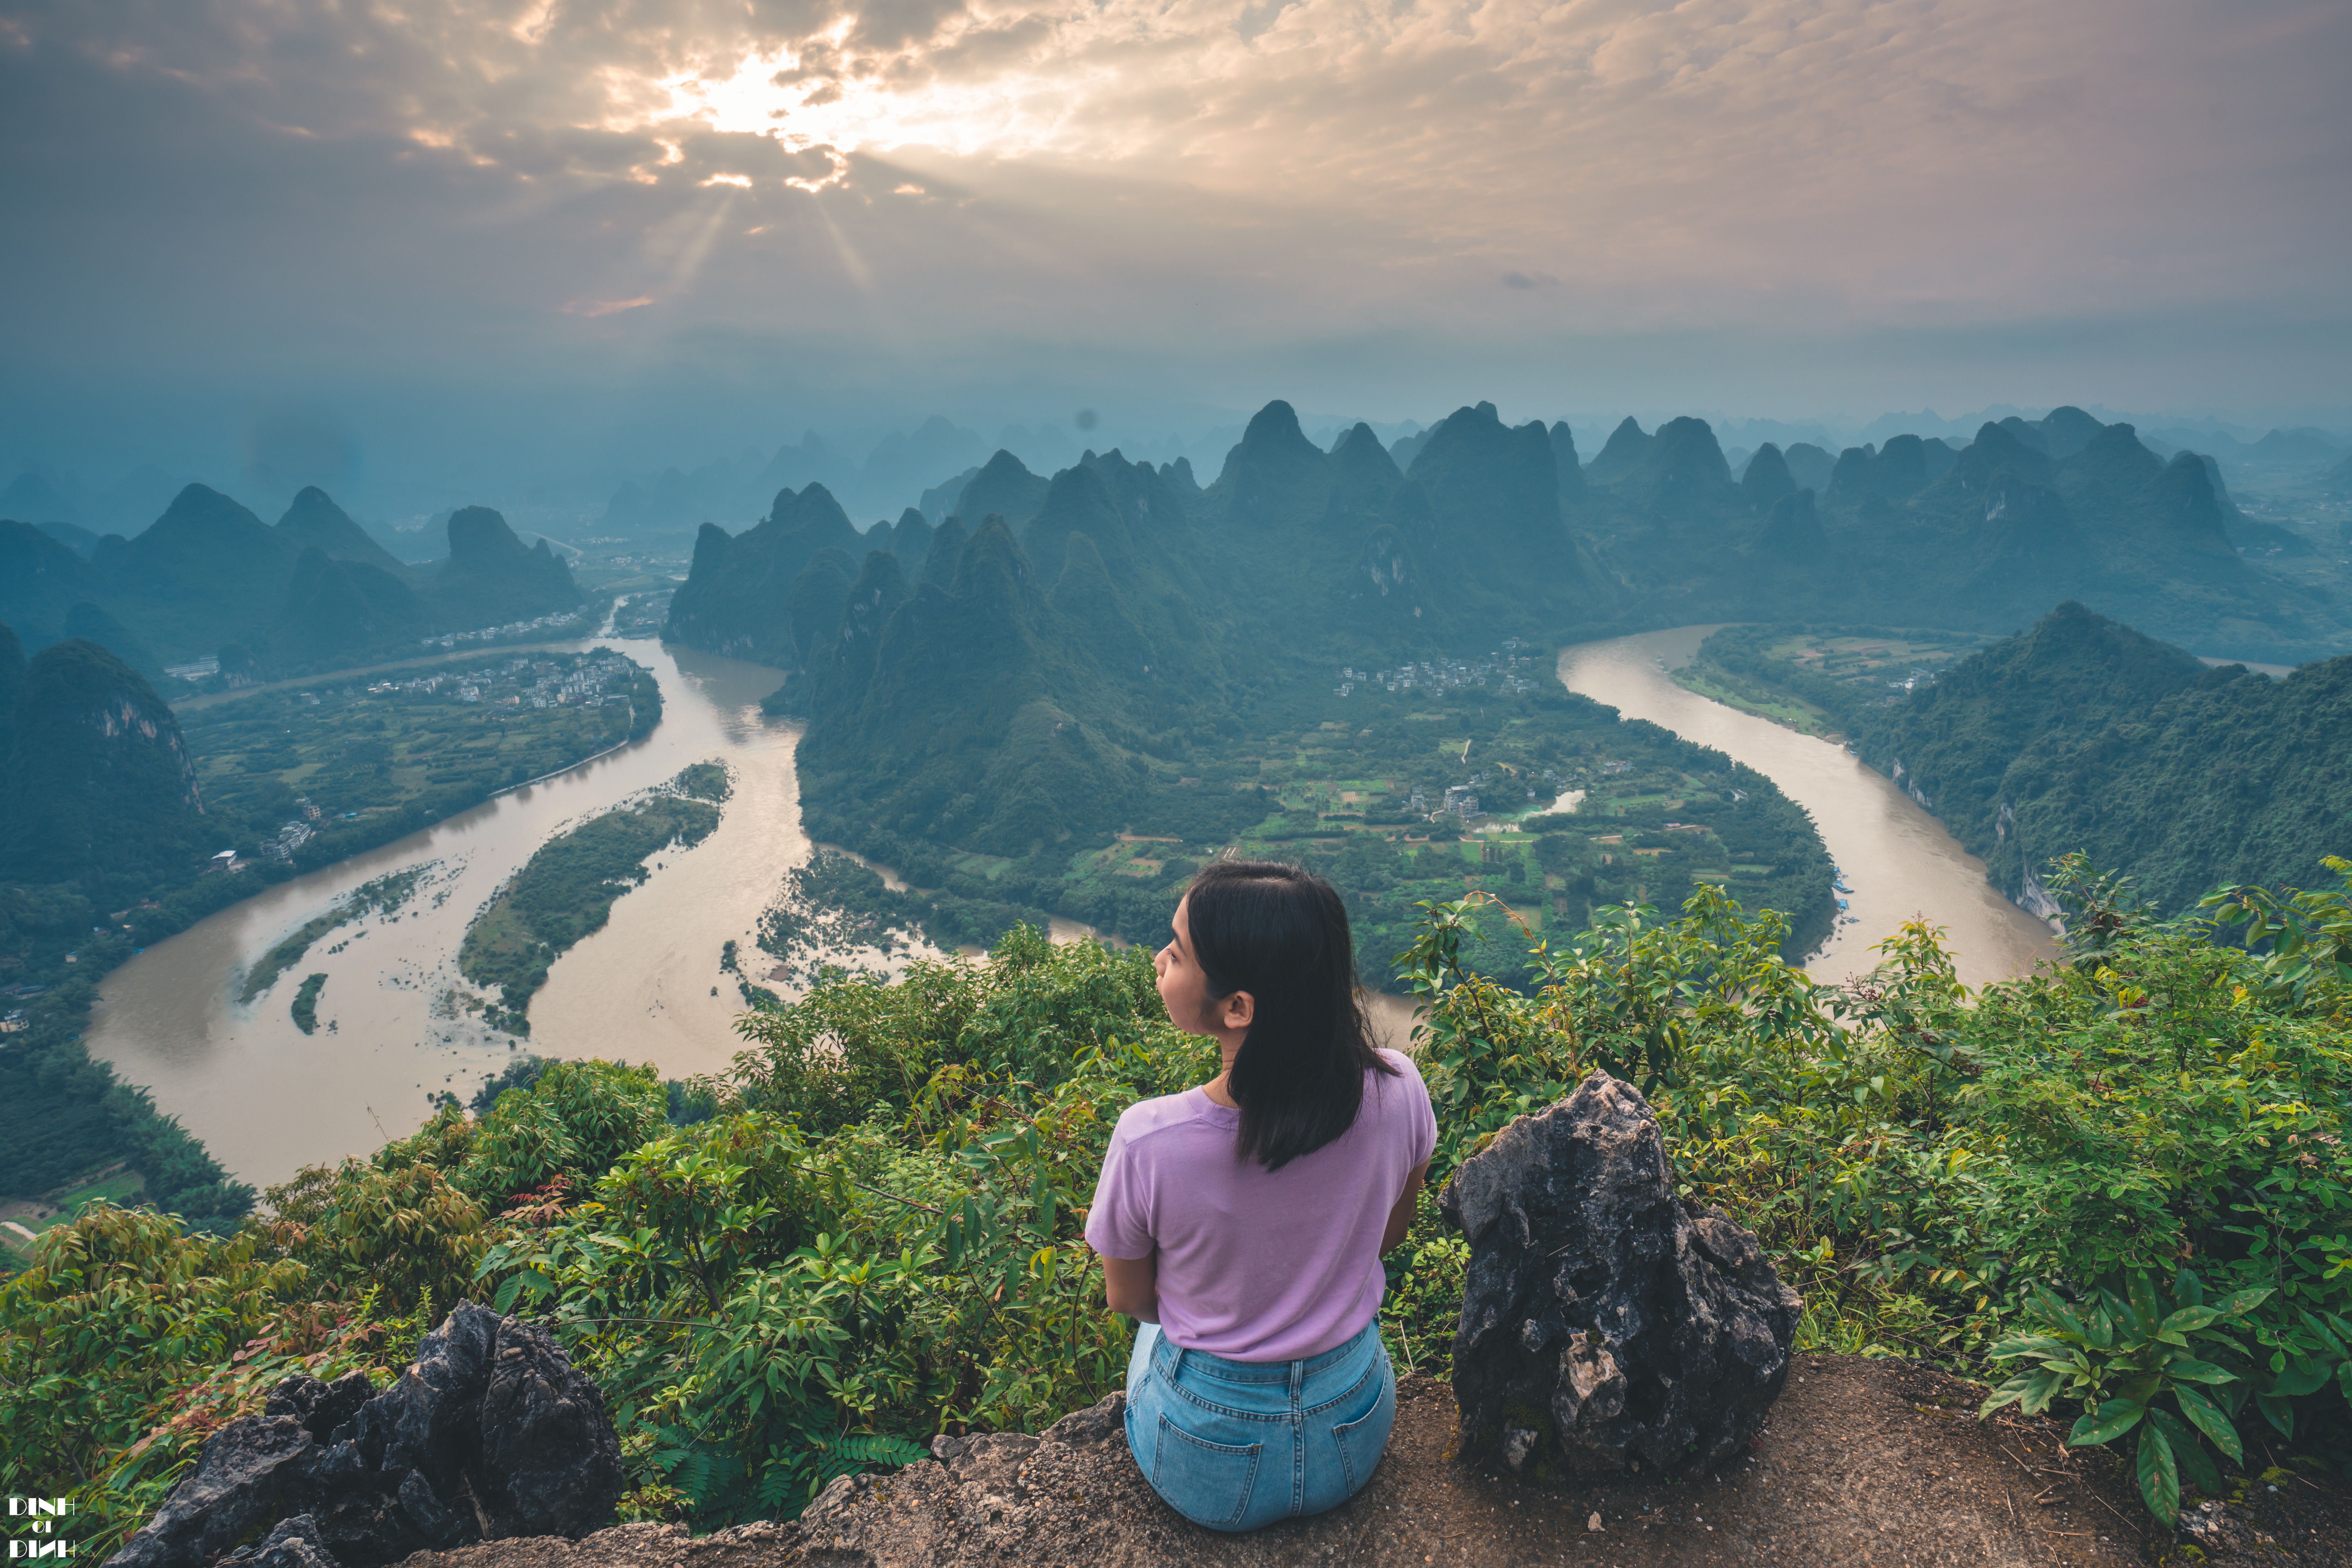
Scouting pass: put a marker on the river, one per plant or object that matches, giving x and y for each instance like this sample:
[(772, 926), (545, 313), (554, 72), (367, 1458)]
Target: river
[(1898, 861), (267, 1098)]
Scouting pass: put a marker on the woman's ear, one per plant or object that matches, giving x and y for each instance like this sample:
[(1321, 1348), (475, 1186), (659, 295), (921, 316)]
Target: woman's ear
[(1236, 1010)]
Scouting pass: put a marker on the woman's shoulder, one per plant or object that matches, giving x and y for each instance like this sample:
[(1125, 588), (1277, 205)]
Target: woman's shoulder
[(1164, 1113), (1404, 1065)]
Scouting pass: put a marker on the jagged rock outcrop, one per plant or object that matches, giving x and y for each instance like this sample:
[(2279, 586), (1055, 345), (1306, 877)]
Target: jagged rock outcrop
[(490, 1434), (1606, 1323)]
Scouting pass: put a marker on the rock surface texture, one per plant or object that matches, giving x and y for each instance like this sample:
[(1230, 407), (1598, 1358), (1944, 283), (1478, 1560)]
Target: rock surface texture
[(490, 1434), (1606, 1324), (1862, 1461)]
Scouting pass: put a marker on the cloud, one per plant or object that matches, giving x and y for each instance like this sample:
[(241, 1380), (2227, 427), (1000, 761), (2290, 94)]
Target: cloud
[(1175, 175), (594, 308)]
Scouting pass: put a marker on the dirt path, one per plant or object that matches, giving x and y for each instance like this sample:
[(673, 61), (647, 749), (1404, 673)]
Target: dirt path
[(1864, 1464)]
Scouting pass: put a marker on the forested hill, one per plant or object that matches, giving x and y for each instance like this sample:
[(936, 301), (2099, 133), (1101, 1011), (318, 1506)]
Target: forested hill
[(2082, 734), (310, 590)]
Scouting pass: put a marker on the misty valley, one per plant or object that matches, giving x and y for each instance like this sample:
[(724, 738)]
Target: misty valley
[(687, 933)]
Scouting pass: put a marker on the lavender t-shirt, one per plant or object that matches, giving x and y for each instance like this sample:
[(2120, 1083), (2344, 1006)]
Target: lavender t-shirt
[(1258, 1264)]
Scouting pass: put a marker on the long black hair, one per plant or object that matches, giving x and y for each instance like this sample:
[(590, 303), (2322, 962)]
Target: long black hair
[(1280, 933)]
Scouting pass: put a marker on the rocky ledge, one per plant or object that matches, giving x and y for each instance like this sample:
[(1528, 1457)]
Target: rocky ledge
[(1859, 1461)]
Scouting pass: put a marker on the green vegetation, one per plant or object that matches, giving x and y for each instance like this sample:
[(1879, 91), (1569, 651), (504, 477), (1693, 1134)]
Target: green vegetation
[(1828, 680), (2084, 735), (306, 1003), (876, 1236), (107, 827), (102, 848), (565, 890), (1334, 786), (380, 760), (1071, 650)]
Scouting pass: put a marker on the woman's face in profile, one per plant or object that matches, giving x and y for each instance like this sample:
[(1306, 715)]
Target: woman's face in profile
[(1183, 988)]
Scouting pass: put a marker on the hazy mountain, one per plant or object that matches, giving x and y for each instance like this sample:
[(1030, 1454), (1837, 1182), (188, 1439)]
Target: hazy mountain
[(204, 571), (97, 784), (1767, 480), (1003, 486), (315, 522), (342, 609), (938, 503), (93, 624), (32, 497), (1620, 455), (490, 578), (1809, 465), (2084, 734), (1911, 533), (73, 536), (41, 580), (902, 465), (737, 596)]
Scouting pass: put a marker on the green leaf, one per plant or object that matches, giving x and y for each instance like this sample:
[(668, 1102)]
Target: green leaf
[(2303, 1376), (2245, 1302), (2191, 1318), (2050, 1309), (2190, 1369), (2208, 1419), (2188, 1455), (2108, 1421), (2159, 1475), (2279, 1412)]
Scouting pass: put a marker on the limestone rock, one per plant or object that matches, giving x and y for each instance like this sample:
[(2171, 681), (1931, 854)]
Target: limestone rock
[(1606, 1323), (246, 1469), (293, 1544), (490, 1434)]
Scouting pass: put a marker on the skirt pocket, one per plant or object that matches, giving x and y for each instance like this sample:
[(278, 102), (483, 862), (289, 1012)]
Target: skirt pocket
[(1208, 1483)]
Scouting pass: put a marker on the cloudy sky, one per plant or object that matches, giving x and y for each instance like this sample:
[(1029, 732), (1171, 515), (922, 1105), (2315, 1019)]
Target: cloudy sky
[(717, 220)]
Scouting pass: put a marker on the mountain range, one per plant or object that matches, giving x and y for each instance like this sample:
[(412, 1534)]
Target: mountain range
[(314, 588), (1035, 667)]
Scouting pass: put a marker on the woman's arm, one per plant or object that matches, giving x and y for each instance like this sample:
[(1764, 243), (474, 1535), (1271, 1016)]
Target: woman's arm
[(1400, 1217), (1131, 1285)]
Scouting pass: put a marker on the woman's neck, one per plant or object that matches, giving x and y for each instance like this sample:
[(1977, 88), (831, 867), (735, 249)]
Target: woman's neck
[(1219, 1089)]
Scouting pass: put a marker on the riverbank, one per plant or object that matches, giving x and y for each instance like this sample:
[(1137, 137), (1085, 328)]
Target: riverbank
[(1899, 862), (650, 985), (268, 1099)]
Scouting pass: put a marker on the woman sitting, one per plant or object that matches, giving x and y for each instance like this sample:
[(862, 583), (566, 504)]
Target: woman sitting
[(1242, 1222)]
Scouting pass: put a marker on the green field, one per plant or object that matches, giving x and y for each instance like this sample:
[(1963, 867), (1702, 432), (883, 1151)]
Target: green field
[(1334, 787), (358, 764), (1820, 680)]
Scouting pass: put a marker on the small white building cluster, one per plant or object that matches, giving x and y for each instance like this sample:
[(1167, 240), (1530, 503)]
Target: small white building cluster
[(1506, 665), (511, 629)]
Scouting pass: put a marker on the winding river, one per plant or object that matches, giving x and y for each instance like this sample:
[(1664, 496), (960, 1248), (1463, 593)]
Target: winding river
[(268, 1099), (1897, 860)]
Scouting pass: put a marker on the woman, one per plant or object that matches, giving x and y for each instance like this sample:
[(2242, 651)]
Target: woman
[(1241, 1223)]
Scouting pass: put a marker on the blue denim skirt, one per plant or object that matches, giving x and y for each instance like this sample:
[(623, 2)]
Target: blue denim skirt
[(1237, 1444)]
